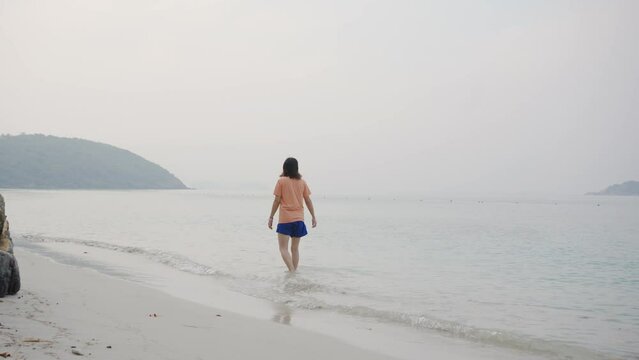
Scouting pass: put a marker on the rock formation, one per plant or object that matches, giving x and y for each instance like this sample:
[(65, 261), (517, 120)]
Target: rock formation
[(9, 272)]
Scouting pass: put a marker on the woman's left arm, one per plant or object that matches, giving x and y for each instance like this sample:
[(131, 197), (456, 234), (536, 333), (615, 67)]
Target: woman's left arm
[(311, 209)]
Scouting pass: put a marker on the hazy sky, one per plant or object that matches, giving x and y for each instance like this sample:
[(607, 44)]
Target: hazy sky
[(429, 97)]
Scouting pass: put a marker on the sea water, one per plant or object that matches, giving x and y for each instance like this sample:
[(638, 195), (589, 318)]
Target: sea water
[(554, 277)]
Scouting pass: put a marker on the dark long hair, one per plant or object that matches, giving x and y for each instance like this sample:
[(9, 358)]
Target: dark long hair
[(291, 169)]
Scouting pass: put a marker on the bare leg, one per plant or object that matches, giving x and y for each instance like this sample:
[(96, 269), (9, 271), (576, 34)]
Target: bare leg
[(286, 256), (295, 251)]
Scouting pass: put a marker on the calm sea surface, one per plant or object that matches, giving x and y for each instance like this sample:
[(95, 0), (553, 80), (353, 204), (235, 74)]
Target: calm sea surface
[(553, 277)]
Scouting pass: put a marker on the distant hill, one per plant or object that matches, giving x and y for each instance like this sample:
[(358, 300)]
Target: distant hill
[(49, 162), (627, 188)]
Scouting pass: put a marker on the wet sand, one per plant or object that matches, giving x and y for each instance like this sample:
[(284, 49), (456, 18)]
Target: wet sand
[(64, 311)]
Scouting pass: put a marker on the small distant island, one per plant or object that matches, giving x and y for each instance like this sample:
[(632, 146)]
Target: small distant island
[(50, 162), (628, 188)]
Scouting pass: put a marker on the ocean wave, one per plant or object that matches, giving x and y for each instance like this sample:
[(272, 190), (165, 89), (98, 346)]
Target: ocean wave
[(302, 293), (171, 259), (499, 338)]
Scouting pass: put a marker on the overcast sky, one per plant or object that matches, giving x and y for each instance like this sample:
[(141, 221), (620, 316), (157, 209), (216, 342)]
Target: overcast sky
[(426, 97)]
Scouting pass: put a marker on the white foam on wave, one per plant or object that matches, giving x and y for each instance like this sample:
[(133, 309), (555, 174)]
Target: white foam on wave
[(173, 260)]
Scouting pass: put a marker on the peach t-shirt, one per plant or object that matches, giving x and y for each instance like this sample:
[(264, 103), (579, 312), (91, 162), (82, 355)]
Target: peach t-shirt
[(292, 192)]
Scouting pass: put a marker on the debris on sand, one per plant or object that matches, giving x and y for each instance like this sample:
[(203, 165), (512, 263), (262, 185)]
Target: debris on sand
[(34, 340)]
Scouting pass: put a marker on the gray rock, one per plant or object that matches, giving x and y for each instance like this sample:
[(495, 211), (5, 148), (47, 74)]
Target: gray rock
[(9, 271), (6, 243), (9, 274)]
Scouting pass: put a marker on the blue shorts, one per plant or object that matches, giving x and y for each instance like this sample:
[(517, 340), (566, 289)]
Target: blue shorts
[(293, 229)]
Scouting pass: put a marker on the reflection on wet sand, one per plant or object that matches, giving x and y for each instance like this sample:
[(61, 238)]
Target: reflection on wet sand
[(282, 314)]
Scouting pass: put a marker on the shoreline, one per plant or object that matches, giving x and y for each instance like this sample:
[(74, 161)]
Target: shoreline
[(65, 302), (63, 308)]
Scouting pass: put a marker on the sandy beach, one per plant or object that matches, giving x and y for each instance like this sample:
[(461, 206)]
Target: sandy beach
[(64, 311)]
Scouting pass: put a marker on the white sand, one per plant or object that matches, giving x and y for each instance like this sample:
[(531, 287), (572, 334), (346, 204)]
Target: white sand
[(61, 307)]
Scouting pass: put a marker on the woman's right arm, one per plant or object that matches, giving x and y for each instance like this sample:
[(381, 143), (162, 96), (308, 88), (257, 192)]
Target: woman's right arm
[(276, 204)]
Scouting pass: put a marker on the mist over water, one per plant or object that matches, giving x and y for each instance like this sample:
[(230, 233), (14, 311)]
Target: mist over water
[(371, 96), (554, 277)]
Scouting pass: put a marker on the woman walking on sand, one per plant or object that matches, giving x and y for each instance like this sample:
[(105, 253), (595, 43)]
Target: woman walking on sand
[(289, 192)]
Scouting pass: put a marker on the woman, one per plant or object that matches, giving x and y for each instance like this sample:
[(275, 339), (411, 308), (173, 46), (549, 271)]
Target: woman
[(289, 192)]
